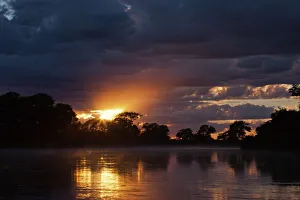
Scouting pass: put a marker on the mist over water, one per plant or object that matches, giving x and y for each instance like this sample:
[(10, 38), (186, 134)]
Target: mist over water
[(148, 173)]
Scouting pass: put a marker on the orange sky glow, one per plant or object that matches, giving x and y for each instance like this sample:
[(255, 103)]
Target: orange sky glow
[(145, 99)]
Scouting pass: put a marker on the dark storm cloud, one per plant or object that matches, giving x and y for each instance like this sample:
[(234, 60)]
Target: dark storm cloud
[(10, 37), (267, 64), (49, 43), (216, 28)]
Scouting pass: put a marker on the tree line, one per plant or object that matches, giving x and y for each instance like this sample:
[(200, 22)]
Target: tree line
[(38, 121)]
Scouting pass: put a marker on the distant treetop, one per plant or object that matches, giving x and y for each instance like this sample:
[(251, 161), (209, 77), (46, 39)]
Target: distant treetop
[(295, 90)]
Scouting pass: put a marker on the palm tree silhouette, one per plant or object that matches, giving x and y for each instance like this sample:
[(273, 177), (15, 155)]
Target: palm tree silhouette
[(237, 131)]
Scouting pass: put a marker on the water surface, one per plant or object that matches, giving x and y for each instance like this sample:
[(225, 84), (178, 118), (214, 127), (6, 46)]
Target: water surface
[(145, 173)]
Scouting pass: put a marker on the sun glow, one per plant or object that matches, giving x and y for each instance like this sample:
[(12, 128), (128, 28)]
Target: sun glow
[(109, 114), (85, 116)]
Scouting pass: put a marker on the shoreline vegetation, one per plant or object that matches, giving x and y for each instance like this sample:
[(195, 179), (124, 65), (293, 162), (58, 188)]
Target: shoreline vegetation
[(38, 122)]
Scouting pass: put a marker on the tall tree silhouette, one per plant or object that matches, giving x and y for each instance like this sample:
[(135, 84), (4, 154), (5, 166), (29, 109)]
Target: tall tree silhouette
[(237, 131), (204, 133), (33, 120), (282, 131)]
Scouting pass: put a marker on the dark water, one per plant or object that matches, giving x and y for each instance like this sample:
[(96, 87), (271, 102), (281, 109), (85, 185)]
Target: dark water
[(167, 174)]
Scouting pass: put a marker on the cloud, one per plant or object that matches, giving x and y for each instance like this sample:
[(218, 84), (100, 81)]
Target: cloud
[(10, 37), (214, 28), (241, 92), (6, 9), (267, 64)]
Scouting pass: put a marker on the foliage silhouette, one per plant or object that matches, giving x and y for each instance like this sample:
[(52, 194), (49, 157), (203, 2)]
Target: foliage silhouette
[(295, 90), (204, 134), (154, 133), (38, 121), (122, 129), (281, 132), (185, 134), (236, 132), (34, 120)]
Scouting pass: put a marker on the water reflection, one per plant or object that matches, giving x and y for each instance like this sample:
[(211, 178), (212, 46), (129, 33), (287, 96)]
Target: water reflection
[(138, 174), (114, 175), (284, 169), (108, 175), (101, 183), (205, 160)]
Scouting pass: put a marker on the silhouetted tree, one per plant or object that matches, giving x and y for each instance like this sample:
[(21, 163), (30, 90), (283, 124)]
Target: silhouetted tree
[(122, 129), (237, 131), (64, 123), (130, 116), (281, 132), (185, 134), (295, 90), (155, 133), (204, 133), (95, 125), (10, 117), (34, 120), (94, 132)]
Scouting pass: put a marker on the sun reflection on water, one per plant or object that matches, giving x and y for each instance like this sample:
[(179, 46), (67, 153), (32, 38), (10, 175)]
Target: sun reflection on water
[(252, 170), (109, 183), (102, 183), (83, 179), (140, 172), (219, 194)]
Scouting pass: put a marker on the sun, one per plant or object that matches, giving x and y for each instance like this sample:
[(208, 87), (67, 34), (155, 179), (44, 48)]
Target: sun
[(109, 114), (85, 116)]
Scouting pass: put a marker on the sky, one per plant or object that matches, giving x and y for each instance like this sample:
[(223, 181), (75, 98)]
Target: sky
[(179, 62)]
